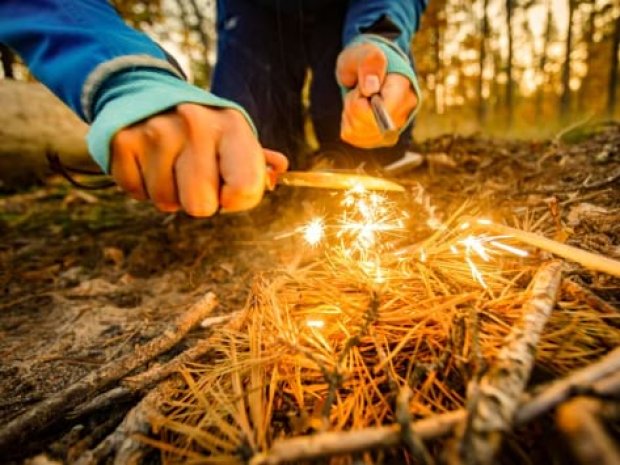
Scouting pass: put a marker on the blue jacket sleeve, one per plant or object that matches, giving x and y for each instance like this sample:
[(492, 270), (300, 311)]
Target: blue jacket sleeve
[(403, 14), (73, 46)]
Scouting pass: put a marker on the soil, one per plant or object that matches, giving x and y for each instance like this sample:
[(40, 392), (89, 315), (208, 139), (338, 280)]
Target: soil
[(87, 276)]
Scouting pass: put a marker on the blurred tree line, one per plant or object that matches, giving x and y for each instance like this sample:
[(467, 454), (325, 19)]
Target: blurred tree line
[(519, 67)]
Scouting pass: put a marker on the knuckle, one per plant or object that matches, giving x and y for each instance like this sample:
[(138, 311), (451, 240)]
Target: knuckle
[(122, 139), (153, 128)]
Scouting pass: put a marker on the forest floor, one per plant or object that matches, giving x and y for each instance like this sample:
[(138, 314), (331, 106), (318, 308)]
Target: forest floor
[(87, 276)]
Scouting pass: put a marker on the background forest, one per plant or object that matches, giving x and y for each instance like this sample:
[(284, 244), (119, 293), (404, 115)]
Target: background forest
[(506, 67)]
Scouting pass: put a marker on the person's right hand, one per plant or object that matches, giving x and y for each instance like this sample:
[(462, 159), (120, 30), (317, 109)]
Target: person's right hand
[(196, 158)]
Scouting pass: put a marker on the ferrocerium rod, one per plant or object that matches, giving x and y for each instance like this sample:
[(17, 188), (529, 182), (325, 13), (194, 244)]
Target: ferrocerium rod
[(384, 120)]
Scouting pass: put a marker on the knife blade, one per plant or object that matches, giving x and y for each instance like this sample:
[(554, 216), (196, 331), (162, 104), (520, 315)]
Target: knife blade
[(337, 181)]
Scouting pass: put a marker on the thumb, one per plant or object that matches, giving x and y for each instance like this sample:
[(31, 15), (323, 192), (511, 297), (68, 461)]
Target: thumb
[(364, 65)]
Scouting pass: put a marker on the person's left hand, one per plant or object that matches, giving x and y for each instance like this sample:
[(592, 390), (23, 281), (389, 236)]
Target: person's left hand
[(363, 69)]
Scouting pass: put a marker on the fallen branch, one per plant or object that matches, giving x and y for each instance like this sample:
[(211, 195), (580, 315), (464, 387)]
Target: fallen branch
[(587, 259), (347, 442), (52, 408), (149, 378), (496, 399), (578, 420), (585, 295), (558, 391), (122, 440)]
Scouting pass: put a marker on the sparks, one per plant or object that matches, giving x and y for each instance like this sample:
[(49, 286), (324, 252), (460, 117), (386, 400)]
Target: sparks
[(314, 231), (318, 324), (509, 248)]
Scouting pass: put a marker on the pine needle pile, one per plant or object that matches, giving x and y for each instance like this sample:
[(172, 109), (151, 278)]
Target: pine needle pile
[(379, 326)]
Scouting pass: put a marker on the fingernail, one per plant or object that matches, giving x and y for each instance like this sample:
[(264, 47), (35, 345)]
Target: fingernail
[(372, 85)]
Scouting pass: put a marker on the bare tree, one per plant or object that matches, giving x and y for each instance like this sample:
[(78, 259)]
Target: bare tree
[(484, 34), (613, 69), (540, 93), (509, 64), (589, 30), (565, 98)]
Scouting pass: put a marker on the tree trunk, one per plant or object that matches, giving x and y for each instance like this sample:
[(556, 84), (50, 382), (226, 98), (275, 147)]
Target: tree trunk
[(483, 54), (565, 98), (8, 58), (613, 70), (540, 93), (509, 80), (439, 91), (589, 38), (204, 38)]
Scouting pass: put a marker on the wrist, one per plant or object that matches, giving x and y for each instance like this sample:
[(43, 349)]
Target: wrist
[(132, 96)]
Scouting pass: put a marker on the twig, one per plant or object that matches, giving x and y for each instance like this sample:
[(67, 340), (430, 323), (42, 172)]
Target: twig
[(408, 436), (145, 380), (121, 440), (579, 292), (579, 423), (45, 412), (560, 390), (347, 442), (498, 393), (587, 259)]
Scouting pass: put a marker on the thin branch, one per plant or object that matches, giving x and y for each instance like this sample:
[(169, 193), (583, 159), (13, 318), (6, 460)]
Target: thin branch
[(498, 393), (46, 412), (587, 259), (122, 440), (157, 373), (578, 420)]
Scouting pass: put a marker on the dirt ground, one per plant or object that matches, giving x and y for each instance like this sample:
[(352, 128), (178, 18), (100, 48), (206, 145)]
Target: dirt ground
[(87, 276)]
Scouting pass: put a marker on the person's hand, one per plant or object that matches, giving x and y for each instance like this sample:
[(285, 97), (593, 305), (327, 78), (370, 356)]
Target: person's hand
[(194, 158), (363, 69)]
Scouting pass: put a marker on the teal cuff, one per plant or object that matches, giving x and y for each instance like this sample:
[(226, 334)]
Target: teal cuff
[(131, 96), (397, 62)]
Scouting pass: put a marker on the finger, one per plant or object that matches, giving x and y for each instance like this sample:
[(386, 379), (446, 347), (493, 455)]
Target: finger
[(276, 163), (399, 98), (364, 65), (124, 165), (276, 160), (163, 136), (242, 165), (197, 172), (358, 125)]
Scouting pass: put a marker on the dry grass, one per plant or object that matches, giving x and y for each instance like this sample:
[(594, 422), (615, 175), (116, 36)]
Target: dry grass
[(332, 343)]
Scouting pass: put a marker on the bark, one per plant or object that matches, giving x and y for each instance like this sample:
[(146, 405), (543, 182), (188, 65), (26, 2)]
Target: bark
[(565, 98), (613, 70), (46, 412)]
